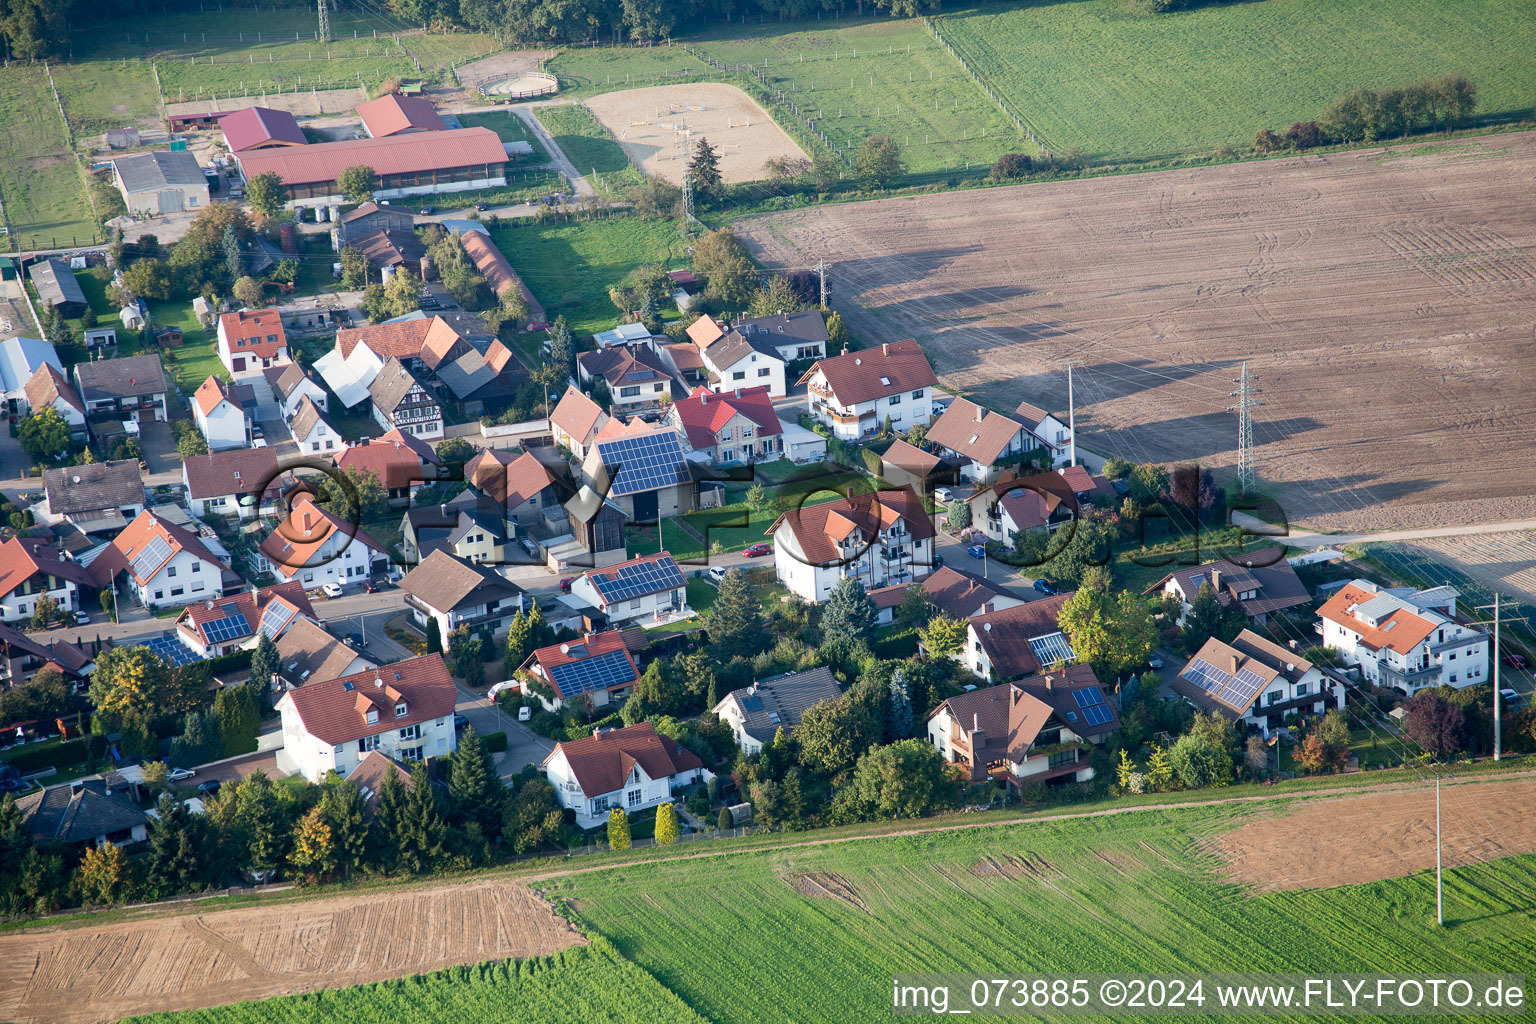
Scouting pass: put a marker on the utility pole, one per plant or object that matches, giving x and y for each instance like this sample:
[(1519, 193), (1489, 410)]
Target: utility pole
[(1071, 420), (1247, 388), (1498, 701), (1439, 877), (325, 21), (821, 272)]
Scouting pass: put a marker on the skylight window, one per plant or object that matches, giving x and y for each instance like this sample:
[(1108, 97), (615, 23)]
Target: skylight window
[(885, 381)]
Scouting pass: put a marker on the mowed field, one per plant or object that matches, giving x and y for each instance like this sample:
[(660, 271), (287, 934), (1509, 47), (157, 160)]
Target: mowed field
[(1385, 299), (1126, 85), (196, 960), (40, 182)]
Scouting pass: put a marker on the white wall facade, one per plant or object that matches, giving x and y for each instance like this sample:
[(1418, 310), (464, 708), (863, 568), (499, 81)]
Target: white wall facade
[(1452, 655), (639, 793), (305, 754), (644, 607), (224, 428), (867, 563), (857, 421), (352, 565), (321, 440), (15, 607), (754, 370), (182, 580)]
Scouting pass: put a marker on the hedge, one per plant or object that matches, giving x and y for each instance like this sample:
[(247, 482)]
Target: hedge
[(64, 754), (494, 742), (231, 662)]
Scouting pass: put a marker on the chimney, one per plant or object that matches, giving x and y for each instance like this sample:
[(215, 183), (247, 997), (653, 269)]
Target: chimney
[(885, 348), (306, 521), (978, 734), (1234, 664), (981, 414), (1216, 579)]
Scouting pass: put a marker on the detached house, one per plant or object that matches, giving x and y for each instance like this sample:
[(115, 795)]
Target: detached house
[(307, 653), (737, 360), (1036, 730), (1049, 431), (730, 428), (642, 471), (230, 483), (1041, 501), (165, 564), (97, 498), (576, 421), (404, 711), (401, 462), (853, 394), (126, 388), (633, 769), (315, 547), (756, 713), (84, 813), (519, 484), (290, 385), (312, 432), (1015, 642), (879, 539), (223, 413), (1405, 639), (50, 389), (252, 339), (471, 526), (31, 570), (795, 336), (637, 378), (984, 439), (599, 667), (458, 593), (1261, 583), (957, 594), (1256, 682), (648, 590), (401, 402), (224, 625)]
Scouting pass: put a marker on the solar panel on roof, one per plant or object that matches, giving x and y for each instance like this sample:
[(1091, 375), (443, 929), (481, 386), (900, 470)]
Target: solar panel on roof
[(1051, 648), (1088, 696), (752, 703), (1099, 714), (1205, 675), (171, 650), (596, 673), (624, 582), (231, 627), (276, 618), (151, 558), (1241, 689), (644, 463)]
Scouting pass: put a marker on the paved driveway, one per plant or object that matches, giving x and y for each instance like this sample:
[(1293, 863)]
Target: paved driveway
[(524, 746), (159, 443)]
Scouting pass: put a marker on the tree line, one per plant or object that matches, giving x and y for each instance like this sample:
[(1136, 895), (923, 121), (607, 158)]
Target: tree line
[(1437, 103)]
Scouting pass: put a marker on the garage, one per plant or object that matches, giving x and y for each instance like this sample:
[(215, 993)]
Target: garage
[(169, 202), (160, 182)]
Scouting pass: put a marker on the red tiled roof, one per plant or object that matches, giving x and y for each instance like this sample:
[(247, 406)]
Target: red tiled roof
[(209, 394), (250, 603), (305, 530), (704, 413), (978, 434), (23, 557), (402, 154), (135, 538), (1400, 631), (498, 273), (335, 713), (511, 481), (855, 376), (590, 646), (910, 458), (576, 414), (619, 365), (603, 761), (819, 528), (254, 325), (705, 330), (260, 126), (47, 385), (395, 113), (239, 471), (392, 459), (431, 340), (498, 356)]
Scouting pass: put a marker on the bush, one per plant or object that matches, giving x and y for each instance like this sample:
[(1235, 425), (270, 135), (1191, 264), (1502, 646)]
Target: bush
[(494, 743), (1012, 165), (64, 754)]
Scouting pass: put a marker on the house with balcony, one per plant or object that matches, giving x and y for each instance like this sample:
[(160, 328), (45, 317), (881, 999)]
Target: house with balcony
[(231, 483), (1048, 430), (31, 570), (756, 713), (880, 539), (1256, 682), (403, 710), (315, 547), (1261, 583), (224, 625), (22, 657), (165, 565), (637, 378), (1404, 639), (648, 590), (224, 413), (795, 336), (128, 388), (99, 498), (634, 769), (955, 593), (853, 394), (1011, 643), (731, 428), (1041, 501), (1036, 730), (598, 667), (457, 593), (251, 340), (987, 441), (401, 402)]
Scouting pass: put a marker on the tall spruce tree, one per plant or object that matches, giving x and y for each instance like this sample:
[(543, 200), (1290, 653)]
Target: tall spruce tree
[(265, 664), (421, 830), (848, 612), (735, 622), (477, 794), (176, 861), (346, 813), (388, 813)]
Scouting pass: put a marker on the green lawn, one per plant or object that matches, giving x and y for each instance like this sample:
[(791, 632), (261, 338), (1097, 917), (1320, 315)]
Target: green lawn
[(1114, 895), (569, 266), (1123, 85), (196, 359), (590, 147), (593, 70), (509, 128), (103, 95), (40, 180)]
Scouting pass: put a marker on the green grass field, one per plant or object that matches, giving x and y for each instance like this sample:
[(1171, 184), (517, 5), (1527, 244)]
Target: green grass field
[(98, 96), (591, 71), (590, 147), (1130, 893), (509, 128), (569, 266), (40, 182), (1128, 86)]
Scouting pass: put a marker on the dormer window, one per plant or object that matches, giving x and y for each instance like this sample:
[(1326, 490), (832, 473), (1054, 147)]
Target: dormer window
[(373, 716), (400, 710)]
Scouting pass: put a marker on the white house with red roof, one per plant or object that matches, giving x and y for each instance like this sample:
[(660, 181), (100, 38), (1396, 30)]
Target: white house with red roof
[(634, 769), (404, 711), (252, 339), (31, 570), (1405, 639), (575, 421), (731, 427), (164, 563), (231, 482), (402, 462), (598, 666), (880, 539), (226, 624), (223, 413), (648, 590), (1048, 430), (853, 394), (315, 547)]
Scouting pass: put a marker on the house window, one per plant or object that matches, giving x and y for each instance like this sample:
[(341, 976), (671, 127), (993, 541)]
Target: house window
[(400, 710), (172, 572), (1301, 689), (918, 393), (411, 732), (177, 591), (373, 716), (739, 375), (763, 371), (159, 594), (629, 392), (367, 743), (410, 753), (633, 798), (895, 399)]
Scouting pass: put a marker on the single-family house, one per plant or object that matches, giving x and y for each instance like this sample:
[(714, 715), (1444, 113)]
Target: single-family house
[(598, 667), (224, 413), (624, 334), (646, 590), (31, 570), (795, 336), (729, 428), (906, 465), (50, 389), (853, 394), (636, 377), (641, 470), (21, 359), (634, 769), (403, 710), (520, 484), (1034, 730), (252, 339), (954, 593), (290, 385), (735, 360), (316, 547), (96, 498), (1404, 639), (57, 287), (84, 813), (126, 388), (984, 439), (1256, 682), (576, 421), (22, 657), (1049, 431), (1041, 501), (880, 539), (1259, 582), (756, 713), (458, 593), (166, 564), (230, 483), (1011, 643), (470, 526), (401, 462), (160, 182), (224, 625), (313, 433), (401, 402), (307, 653)]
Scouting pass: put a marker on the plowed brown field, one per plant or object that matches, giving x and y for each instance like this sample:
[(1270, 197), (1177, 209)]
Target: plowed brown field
[(196, 960), (1385, 299)]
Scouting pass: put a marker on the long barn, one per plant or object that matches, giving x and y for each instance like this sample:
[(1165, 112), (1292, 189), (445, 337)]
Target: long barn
[(413, 164)]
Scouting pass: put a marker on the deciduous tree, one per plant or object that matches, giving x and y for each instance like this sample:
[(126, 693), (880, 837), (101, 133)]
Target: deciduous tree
[(943, 636), (128, 679), (879, 161), (314, 846), (44, 434), (356, 183), (265, 193), (1435, 724), (103, 875)]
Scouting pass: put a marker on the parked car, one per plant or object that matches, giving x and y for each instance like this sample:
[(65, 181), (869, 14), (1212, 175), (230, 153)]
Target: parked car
[(426, 211), (460, 720), (976, 550), (428, 302), (1045, 587), (1515, 660), (525, 714), (179, 774), (209, 788), (717, 573), (381, 583), (259, 443), (1512, 700), (481, 207), (758, 550), (565, 584), (1154, 662), (942, 494), (82, 618), (331, 589), (356, 640)]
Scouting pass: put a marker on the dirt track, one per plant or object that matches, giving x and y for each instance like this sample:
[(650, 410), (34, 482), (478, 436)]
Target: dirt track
[(1386, 835), (1384, 298), (196, 960)]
